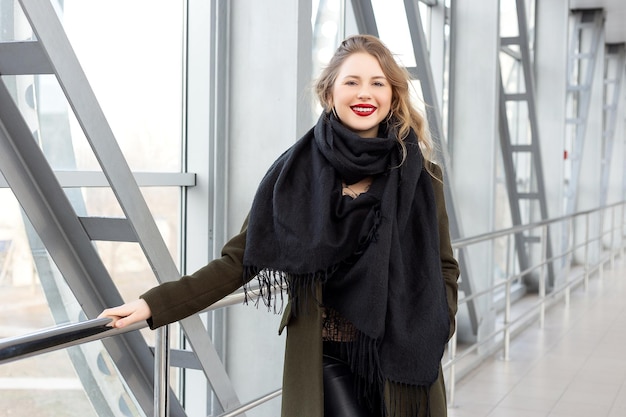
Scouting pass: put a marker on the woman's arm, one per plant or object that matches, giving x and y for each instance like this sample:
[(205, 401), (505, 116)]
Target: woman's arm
[(175, 300)]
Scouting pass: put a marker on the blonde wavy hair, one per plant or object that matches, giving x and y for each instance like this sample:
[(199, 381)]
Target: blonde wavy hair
[(406, 116)]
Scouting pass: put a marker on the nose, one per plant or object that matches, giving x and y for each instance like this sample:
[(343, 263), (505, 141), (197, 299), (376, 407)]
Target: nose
[(364, 93)]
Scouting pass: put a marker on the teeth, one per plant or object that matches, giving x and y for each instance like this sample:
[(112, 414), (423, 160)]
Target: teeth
[(363, 109)]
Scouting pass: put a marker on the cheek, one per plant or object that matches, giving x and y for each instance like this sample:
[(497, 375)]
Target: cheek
[(387, 102), (385, 98), (337, 95)]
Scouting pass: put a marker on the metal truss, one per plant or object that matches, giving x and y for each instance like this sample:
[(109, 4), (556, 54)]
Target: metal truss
[(613, 75), (582, 55), (521, 154), (68, 236)]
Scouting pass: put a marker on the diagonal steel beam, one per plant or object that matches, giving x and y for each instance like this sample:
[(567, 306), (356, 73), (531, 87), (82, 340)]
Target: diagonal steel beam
[(45, 204), (433, 113), (364, 16), (613, 74)]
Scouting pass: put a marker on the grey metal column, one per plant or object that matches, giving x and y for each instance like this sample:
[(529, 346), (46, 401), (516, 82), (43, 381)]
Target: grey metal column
[(516, 151), (206, 149), (613, 75)]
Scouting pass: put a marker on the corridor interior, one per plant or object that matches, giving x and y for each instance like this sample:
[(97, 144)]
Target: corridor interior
[(574, 366)]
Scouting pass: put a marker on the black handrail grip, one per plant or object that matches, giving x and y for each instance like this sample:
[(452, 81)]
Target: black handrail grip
[(46, 338)]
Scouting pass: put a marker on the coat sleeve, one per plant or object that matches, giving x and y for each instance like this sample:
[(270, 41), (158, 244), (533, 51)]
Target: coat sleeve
[(449, 265), (176, 300)]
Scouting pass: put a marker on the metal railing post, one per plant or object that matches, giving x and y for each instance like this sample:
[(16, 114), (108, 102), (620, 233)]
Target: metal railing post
[(586, 258), (600, 245), (568, 255), (612, 251), (161, 372), (507, 319), (622, 233), (542, 275)]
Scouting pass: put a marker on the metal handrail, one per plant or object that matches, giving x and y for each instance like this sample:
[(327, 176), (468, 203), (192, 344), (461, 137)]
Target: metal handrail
[(68, 335), (462, 242), (72, 334), (544, 300), (50, 339)]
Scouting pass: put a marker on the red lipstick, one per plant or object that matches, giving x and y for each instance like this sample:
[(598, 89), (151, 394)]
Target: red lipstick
[(363, 109)]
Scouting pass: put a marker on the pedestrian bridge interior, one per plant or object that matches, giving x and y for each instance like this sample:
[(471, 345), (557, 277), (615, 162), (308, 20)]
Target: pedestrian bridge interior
[(133, 136)]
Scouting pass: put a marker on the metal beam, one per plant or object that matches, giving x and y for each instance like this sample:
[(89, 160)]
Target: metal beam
[(583, 48), (52, 216), (25, 57), (613, 75), (511, 150), (78, 179), (433, 113), (364, 15)]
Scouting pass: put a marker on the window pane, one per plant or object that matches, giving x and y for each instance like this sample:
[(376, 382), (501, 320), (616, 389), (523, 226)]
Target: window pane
[(393, 29), (136, 72)]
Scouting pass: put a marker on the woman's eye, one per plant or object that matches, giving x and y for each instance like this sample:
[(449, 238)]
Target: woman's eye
[(379, 84), (350, 82)]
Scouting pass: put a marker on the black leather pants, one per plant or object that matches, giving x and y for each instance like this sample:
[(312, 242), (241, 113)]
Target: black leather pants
[(340, 399)]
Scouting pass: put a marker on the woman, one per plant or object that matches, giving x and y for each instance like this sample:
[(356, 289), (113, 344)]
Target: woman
[(352, 220)]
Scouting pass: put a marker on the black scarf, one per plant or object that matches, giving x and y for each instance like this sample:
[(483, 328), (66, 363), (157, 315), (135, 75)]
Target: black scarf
[(377, 255)]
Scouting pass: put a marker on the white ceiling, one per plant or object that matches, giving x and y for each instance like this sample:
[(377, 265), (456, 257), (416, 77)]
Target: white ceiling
[(615, 11)]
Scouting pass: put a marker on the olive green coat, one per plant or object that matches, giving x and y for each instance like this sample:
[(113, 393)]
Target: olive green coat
[(302, 378)]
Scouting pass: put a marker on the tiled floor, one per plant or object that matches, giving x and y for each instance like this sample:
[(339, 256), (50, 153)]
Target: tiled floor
[(574, 367)]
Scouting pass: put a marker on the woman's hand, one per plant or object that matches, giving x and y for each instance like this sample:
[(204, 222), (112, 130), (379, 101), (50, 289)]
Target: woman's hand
[(127, 314)]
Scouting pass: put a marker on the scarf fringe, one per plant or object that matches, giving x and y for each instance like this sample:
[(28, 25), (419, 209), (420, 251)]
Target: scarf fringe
[(391, 398), (407, 400), (396, 399), (364, 362), (273, 284)]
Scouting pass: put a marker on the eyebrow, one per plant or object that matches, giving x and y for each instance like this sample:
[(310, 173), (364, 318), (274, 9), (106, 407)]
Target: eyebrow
[(376, 77)]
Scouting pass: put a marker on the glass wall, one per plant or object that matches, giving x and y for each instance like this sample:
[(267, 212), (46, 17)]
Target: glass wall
[(132, 53)]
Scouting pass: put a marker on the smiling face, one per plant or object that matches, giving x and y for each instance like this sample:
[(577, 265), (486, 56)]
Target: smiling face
[(361, 94)]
